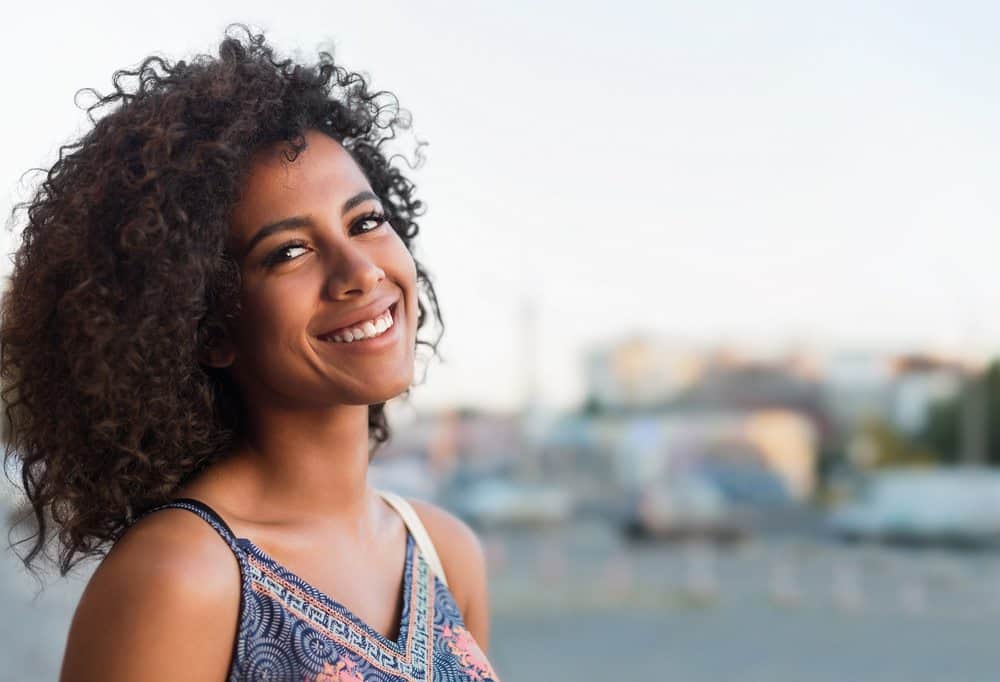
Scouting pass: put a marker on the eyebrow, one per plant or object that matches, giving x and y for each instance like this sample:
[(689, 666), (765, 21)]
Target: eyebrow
[(304, 220)]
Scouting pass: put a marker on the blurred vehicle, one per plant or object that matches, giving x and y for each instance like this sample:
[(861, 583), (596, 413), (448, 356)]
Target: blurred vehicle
[(497, 501), (681, 508), (956, 507)]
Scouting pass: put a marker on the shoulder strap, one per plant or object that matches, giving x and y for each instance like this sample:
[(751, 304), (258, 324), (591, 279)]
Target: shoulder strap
[(201, 509), (418, 531)]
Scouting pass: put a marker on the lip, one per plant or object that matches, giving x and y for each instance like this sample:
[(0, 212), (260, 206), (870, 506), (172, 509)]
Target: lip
[(369, 312), (379, 342)]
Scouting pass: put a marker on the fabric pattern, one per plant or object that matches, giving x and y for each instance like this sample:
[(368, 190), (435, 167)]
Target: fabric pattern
[(290, 631)]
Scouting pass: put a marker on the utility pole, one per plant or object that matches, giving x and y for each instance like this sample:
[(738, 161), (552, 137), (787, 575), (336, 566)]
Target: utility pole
[(528, 324)]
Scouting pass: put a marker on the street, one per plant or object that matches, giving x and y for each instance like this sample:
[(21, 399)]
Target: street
[(578, 603)]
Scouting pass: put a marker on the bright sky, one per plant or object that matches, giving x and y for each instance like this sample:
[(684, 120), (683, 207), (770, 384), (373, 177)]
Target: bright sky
[(771, 172)]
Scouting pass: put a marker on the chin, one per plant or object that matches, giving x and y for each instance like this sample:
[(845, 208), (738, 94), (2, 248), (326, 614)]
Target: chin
[(382, 394)]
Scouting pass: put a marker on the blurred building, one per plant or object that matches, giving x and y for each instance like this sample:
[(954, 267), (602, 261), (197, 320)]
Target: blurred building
[(920, 382), (659, 408), (857, 385), (664, 407), (603, 455), (898, 389), (641, 371), (433, 448)]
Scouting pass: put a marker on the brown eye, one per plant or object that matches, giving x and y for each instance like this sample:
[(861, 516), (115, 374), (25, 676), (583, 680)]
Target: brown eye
[(371, 222), (284, 253)]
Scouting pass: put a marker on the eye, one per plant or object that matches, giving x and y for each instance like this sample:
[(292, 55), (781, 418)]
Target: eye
[(372, 221), (285, 252)]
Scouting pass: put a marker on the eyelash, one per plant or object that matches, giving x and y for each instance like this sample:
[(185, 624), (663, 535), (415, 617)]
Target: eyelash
[(274, 258), (378, 217)]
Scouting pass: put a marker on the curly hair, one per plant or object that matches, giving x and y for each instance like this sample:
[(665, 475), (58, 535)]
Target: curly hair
[(122, 279)]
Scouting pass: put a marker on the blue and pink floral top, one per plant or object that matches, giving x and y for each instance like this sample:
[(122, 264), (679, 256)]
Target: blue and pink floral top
[(288, 630)]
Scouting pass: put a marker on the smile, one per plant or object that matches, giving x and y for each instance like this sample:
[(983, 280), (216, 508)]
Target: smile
[(364, 331)]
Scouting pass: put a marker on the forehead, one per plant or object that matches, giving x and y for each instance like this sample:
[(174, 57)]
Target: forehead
[(320, 178)]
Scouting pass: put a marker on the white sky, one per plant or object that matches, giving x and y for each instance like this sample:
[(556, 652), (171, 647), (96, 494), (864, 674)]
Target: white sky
[(769, 171)]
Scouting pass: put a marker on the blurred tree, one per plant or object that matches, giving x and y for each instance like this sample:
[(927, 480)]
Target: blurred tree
[(942, 434), (893, 449)]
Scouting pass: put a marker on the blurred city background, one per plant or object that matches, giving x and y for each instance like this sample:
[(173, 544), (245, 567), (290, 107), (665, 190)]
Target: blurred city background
[(720, 385)]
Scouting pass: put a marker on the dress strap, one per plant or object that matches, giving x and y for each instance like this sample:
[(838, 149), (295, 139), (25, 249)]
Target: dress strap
[(201, 509), (418, 531)]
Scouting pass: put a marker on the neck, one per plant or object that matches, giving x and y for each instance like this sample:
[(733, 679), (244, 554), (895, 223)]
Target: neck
[(310, 466)]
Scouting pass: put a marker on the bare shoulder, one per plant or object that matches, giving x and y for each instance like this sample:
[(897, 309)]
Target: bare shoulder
[(162, 605), (451, 535), (464, 562)]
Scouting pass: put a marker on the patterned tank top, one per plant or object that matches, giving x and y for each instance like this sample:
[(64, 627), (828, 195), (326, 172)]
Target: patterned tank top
[(289, 630)]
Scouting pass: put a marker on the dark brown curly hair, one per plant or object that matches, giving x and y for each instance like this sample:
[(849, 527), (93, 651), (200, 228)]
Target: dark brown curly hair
[(122, 279)]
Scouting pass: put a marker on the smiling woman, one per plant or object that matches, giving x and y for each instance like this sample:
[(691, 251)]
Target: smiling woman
[(311, 272), (213, 300)]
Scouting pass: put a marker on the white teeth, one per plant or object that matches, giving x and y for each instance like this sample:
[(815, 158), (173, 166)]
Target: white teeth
[(367, 330)]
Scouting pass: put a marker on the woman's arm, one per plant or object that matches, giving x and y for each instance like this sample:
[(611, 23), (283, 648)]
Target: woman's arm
[(464, 563), (163, 605)]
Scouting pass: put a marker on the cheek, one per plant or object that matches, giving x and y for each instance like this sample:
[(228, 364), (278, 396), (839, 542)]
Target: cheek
[(409, 269), (404, 263), (271, 317)]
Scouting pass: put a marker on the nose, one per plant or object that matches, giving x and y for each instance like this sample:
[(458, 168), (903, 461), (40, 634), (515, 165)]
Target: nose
[(352, 273)]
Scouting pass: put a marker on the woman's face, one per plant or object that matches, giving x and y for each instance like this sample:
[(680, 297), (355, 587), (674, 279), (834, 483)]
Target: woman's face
[(316, 257)]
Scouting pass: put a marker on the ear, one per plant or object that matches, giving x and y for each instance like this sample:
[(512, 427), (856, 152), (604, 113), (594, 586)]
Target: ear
[(219, 352)]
